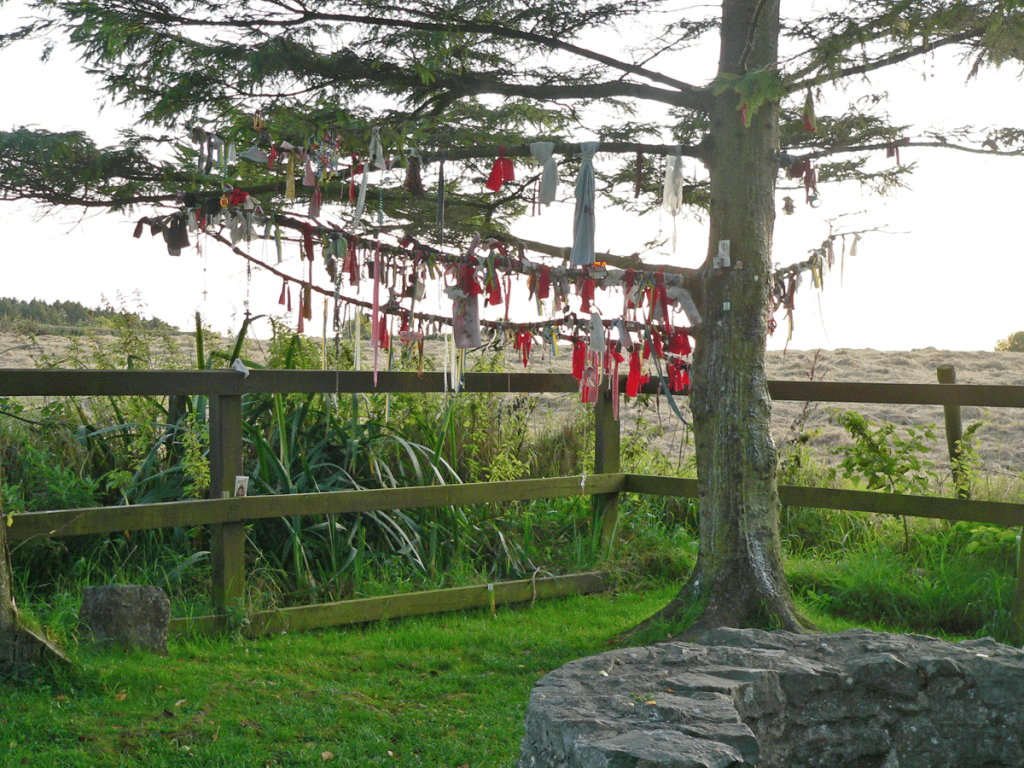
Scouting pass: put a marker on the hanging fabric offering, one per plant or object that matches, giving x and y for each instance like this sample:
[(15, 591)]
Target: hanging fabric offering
[(590, 384), (289, 182), (315, 202), (672, 197), (893, 149), (543, 152), (586, 292), (635, 380), (309, 179), (413, 183), (810, 121), (638, 187), (597, 341), (582, 254), (524, 341), (502, 171), (375, 318), (579, 359), (377, 158), (440, 202), (465, 301)]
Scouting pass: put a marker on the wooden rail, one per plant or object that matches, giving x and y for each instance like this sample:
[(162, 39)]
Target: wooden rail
[(227, 516)]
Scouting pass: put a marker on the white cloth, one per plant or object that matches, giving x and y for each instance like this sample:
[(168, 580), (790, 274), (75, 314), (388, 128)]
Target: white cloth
[(542, 152), (582, 254), (672, 199)]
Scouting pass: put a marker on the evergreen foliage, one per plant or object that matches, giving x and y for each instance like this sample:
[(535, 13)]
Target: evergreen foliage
[(62, 315)]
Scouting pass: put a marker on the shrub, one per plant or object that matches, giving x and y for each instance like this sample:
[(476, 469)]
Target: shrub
[(1012, 343)]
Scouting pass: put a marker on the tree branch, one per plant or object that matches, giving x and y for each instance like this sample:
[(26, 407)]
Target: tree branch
[(885, 61), (815, 155), (473, 85), (692, 93), (491, 151)]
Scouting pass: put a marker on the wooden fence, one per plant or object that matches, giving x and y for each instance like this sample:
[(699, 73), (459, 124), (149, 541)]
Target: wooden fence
[(226, 515)]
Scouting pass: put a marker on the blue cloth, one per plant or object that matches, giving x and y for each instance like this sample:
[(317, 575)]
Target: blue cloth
[(583, 220)]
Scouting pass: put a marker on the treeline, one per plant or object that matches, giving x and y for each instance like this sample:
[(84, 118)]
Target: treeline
[(15, 313)]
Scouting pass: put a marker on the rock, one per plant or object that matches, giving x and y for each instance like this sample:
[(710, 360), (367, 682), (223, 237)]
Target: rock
[(126, 615), (736, 698)]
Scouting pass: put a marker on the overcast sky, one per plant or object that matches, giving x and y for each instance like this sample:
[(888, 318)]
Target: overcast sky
[(946, 271)]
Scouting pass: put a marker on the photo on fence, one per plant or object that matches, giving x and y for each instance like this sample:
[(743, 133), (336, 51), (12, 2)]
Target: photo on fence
[(241, 485)]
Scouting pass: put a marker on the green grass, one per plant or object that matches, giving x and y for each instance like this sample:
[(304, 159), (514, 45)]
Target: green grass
[(447, 690)]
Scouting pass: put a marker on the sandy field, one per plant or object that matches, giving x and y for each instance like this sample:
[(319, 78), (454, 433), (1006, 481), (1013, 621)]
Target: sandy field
[(1002, 438)]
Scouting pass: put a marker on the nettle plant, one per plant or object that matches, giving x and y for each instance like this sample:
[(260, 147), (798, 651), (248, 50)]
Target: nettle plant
[(886, 460), (883, 458)]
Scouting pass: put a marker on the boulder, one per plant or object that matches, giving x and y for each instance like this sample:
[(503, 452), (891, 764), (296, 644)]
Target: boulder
[(739, 698), (126, 615)]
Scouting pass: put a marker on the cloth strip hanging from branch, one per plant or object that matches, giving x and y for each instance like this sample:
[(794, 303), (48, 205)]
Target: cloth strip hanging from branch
[(583, 219)]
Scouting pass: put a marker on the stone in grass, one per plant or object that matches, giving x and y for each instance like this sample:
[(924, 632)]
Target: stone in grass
[(126, 615)]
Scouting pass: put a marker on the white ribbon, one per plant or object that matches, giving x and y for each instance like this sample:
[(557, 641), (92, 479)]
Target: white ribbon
[(583, 220), (672, 200), (542, 152)]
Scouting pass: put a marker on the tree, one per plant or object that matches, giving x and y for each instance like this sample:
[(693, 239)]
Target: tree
[(460, 78)]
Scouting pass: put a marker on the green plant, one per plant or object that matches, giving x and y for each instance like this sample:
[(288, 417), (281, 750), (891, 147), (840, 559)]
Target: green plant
[(885, 459), (966, 463)]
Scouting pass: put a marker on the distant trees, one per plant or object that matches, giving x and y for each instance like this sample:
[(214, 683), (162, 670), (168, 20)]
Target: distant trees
[(66, 314)]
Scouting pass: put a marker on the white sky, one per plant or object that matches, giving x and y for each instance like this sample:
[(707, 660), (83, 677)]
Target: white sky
[(952, 280)]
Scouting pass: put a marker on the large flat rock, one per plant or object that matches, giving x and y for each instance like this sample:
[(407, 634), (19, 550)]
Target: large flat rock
[(736, 698)]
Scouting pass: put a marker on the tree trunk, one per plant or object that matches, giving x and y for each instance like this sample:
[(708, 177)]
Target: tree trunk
[(738, 579)]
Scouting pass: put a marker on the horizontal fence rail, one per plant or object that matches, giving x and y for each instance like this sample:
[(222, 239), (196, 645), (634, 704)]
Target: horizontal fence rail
[(19, 382), (366, 609), (138, 517), (994, 512), (80, 522)]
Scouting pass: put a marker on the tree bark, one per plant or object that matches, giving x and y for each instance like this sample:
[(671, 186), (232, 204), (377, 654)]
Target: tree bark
[(738, 580)]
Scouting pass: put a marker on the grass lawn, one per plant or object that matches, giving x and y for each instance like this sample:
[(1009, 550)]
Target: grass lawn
[(447, 690)]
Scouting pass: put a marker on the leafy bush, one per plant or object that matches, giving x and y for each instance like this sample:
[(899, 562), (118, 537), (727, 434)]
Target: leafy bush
[(1012, 343)]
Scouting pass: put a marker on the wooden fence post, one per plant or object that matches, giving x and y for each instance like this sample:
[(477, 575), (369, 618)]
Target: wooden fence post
[(606, 460), (227, 540), (954, 435), (1017, 608)]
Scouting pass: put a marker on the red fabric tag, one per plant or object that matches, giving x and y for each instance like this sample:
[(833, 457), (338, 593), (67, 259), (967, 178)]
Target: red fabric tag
[(544, 283), (579, 358), (586, 295)]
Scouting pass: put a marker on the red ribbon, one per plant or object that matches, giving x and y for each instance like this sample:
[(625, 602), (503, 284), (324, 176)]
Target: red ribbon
[(544, 283), (635, 380), (579, 358), (586, 294), (501, 172), (524, 341), (679, 343)]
